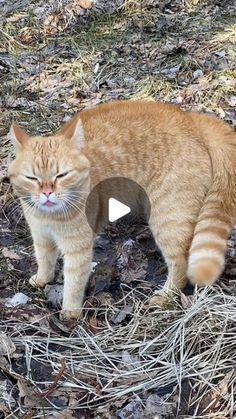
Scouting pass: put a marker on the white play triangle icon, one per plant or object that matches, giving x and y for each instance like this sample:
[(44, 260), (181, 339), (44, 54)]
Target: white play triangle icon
[(116, 209)]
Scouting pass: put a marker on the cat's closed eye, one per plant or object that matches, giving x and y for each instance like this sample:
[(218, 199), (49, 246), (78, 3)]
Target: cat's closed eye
[(31, 177), (60, 175)]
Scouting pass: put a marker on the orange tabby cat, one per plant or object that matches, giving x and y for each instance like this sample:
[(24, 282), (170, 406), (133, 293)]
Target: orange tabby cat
[(185, 161)]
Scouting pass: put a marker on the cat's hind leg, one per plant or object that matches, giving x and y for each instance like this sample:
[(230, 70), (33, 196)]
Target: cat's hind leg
[(173, 234), (176, 280)]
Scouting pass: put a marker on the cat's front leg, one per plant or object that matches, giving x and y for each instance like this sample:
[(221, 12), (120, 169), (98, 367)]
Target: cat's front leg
[(46, 254), (77, 266)]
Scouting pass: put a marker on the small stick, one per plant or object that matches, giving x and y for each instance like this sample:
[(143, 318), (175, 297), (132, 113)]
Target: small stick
[(53, 386)]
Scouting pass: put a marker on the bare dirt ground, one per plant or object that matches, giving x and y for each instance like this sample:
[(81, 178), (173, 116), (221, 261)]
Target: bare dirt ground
[(122, 360)]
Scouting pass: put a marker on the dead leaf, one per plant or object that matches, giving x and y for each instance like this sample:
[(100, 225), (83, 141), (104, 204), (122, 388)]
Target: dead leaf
[(197, 73), (232, 101), (11, 101), (157, 407), (220, 54), (6, 398), (85, 4), (131, 361), (104, 298), (54, 294), (18, 299), (29, 394), (122, 314), (10, 254), (62, 326), (133, 409), (211, 399), (50, 24), (171, 72), (95, 326), (7, 347), (4, 365)]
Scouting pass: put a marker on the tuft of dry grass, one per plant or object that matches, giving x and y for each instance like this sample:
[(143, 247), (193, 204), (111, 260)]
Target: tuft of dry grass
[(191, 345)]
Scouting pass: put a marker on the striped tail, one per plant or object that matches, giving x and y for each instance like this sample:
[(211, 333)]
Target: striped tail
[(207, 251), (218, 213)]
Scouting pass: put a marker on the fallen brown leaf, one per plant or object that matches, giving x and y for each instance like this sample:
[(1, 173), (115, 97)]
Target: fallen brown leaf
[(211, 399), (29, 394), (10, 254), (7, 347), (85, 4)]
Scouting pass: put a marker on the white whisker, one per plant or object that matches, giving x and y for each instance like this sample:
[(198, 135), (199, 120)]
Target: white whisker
[(76, 206)]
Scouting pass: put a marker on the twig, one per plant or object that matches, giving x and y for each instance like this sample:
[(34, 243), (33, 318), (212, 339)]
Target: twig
[(53, 385)]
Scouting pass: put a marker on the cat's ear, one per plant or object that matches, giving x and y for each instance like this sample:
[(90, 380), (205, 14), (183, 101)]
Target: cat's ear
[(78, 134), (18, 136), (73, 130)]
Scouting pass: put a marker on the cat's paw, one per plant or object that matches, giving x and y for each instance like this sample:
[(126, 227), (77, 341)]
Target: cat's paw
[(70, 314), (160, 299), (37, 282)]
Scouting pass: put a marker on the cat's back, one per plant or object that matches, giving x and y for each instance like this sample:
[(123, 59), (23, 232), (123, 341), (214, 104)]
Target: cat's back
[(139, 125), (132, 114)]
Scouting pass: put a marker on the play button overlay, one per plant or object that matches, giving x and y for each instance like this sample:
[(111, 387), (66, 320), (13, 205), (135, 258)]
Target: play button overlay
[(116, 210), (116, 199)]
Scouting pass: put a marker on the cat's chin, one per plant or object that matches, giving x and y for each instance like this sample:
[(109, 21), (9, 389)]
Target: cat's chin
[(51, 209), (55, 211)]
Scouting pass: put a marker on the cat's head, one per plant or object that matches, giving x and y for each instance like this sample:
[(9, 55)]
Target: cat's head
[(50, 174)]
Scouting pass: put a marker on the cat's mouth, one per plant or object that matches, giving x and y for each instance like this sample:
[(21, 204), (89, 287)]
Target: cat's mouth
[(49, 204)]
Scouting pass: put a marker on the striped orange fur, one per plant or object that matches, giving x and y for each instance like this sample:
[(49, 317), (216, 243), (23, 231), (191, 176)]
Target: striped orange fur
[(185, 161)]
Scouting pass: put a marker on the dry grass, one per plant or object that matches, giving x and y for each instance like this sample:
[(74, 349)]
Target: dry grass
[(189, 347)]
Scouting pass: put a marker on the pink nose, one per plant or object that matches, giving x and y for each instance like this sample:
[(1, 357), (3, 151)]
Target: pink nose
[(47, 192)]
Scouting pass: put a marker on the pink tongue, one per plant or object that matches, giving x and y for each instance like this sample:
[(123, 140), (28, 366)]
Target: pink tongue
[(49, 204)]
